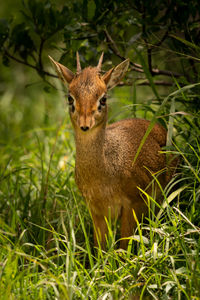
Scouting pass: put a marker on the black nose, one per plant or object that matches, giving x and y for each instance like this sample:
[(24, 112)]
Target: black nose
[(84, 128)]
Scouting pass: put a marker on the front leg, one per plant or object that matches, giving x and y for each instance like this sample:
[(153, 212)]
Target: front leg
[(128, 222), (100, 230)]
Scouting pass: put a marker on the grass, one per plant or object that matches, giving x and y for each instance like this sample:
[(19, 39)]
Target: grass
[(45, 229)]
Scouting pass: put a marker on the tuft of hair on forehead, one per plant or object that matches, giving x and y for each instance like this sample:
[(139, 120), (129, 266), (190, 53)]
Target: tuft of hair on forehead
[(87, 81), (88, 74)]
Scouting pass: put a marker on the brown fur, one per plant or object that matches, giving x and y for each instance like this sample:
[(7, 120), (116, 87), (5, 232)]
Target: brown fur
[(105, 173)]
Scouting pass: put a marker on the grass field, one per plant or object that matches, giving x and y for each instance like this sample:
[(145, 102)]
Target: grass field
[(45, 228)]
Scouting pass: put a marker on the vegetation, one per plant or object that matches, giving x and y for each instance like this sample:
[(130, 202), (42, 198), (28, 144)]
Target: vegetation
[(45, 229)]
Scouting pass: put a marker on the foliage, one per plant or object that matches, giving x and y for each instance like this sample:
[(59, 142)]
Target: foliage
[(45, 229), (162, 31)]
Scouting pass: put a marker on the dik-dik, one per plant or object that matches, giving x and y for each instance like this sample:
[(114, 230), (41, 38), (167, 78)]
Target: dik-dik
[(105, 172)]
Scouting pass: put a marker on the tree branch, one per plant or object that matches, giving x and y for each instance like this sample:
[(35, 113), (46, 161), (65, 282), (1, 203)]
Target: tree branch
[(40, 71), (114, 48), (40, 53), (146, 82), (134, 66), (144, 33), (159, 43)]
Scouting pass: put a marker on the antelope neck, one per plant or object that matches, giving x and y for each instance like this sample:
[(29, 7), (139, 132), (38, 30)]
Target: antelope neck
[(89, 147)]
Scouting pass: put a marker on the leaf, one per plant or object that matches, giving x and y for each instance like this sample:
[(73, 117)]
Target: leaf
[(187, 220), (170, 198), (138, 238), (187, 43), (47, 89), (181, 270), (6, 61), (21, 40), (134, 38), (171, 124), (91, 9), (4, 31)]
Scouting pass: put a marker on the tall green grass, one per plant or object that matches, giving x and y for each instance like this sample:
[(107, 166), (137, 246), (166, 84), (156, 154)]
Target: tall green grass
[(46, 233)]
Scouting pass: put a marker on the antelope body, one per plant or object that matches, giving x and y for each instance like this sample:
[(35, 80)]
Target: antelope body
[(104, 171)]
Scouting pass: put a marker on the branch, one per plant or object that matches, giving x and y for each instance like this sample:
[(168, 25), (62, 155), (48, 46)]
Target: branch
[(134, 66), (157, 82), (115, 49), (146, 82), (82, 37), (40, 71), (159, 43), (166, 73), (40, 53), (113, 45), (148, 48)]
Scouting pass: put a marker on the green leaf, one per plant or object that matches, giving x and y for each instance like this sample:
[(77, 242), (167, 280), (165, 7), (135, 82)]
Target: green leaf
[(91, 9), (187, 43), (4, 31), (21, 40)]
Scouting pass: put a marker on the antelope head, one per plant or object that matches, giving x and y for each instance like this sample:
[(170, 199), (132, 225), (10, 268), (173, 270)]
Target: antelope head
[(87, 91)]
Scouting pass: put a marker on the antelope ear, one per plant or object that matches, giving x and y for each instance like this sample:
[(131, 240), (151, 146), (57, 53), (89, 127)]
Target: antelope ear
[(63, 72), (114, 75)]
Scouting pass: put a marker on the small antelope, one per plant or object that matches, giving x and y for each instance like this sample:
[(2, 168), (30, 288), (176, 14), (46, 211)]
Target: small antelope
[(105, 172)]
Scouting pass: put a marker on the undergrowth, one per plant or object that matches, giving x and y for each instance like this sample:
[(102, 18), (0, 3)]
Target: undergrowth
[(46, 233)]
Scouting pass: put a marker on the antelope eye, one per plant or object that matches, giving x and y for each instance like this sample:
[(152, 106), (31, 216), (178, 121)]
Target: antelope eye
[(70, 100), (103, 100)]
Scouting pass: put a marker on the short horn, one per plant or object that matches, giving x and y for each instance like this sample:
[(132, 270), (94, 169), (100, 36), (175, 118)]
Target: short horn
[(100, 62), (78, 63)]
